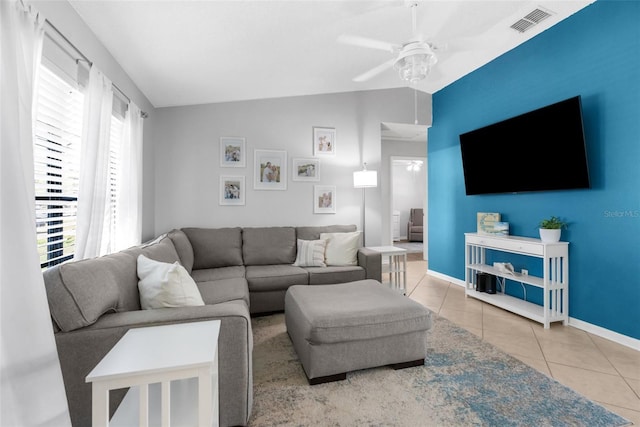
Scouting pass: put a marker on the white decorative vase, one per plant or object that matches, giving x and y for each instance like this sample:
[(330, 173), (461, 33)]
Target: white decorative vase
[(548, 235)]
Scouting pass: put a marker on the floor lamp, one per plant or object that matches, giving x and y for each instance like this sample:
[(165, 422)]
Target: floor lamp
[(364, 179)]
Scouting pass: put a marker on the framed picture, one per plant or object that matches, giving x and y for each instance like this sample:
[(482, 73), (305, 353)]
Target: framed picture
[(305, 170), (324, 199), (324, 141), (270, 170), (232, 190), (232, 152)]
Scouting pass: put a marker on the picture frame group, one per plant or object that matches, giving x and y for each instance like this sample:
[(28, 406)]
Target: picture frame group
[(270, 170)]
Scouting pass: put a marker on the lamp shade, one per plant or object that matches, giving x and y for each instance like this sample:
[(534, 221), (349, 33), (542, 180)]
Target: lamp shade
[(365, 178)]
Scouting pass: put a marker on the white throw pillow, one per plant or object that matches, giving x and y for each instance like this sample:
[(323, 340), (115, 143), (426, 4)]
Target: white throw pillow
[(342, 248), (165, 285), (311, 253)]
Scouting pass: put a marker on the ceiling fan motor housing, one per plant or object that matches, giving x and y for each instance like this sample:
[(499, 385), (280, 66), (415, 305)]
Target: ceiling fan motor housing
[(415, 61)]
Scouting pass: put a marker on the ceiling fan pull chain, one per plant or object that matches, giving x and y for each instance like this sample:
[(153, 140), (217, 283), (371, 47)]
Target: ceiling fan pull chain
[(415, 106), (414, 19)]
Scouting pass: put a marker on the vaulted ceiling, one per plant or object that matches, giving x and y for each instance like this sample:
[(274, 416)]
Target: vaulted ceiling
[(194, 52)]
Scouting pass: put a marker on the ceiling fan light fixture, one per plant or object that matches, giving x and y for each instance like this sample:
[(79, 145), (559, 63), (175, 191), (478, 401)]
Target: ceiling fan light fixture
[(415, 61)]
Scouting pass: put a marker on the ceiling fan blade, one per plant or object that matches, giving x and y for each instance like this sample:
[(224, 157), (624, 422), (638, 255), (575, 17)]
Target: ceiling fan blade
[(374, 71), (369, 43)]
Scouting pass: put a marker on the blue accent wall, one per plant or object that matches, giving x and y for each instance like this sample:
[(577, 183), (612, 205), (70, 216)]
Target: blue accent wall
[(594, 53)]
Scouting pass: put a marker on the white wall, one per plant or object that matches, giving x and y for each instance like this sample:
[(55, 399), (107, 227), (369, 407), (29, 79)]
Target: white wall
[(187, 160), (71, 25)]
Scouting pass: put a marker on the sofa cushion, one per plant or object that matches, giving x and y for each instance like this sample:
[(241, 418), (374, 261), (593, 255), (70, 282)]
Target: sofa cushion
[(269, 245), (215, 247), (311, 253), (162, 251), (183, 248), (221, 273), (89, 288), (263, 278), (217, 291), (342, 248), (333, 275), (313, 233), (165, 285)]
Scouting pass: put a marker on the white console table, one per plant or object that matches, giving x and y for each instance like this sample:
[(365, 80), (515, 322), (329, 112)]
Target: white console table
[(154, 361), (554, 280)]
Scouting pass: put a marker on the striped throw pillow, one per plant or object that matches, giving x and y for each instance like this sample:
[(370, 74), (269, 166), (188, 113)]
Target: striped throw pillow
[(310, 253)]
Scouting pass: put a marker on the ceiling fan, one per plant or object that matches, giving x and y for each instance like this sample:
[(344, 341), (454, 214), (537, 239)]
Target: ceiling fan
[(413, 60)]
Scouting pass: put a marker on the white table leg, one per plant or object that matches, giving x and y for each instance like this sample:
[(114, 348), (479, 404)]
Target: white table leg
[(100, 405), (215, 404), (166, 403), (204, 397), (144, 406)]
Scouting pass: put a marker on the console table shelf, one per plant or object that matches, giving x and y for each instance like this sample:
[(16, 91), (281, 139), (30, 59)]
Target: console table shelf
[(554, 281)]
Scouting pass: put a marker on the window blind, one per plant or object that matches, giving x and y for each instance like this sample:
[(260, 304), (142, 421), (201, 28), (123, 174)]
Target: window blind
[(58, 130), (115, 177)]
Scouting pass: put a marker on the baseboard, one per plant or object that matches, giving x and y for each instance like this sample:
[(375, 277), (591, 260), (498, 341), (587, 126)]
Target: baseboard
[(446, 278), (576, 323), (605, 333)]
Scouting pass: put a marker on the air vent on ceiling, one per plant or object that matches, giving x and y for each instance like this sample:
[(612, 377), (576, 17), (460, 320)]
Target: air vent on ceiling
[(531, 19)]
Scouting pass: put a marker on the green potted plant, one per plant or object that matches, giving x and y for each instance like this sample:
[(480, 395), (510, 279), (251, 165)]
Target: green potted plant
[(551, 228)]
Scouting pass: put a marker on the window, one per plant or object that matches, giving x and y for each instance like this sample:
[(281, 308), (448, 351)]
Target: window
[(59, 115), (56, 163)]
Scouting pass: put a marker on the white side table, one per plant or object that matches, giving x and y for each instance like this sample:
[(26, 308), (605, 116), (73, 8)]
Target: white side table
[(182, 356), (397, 266)]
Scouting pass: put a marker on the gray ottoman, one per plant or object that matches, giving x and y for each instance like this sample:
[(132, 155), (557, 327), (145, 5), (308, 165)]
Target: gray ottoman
[(340, 328)]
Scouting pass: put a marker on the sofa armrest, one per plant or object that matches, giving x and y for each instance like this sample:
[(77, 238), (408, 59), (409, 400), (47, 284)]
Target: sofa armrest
[(371, 261), (81, 350)]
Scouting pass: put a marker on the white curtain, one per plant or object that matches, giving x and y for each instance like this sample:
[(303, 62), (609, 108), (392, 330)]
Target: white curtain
[(129, 221), (32, 390), (94, 215)]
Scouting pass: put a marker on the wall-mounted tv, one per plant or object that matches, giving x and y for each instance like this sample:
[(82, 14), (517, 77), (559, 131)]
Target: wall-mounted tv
[(541, 150)]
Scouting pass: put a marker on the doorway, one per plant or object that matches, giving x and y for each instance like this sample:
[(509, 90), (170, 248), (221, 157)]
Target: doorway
[(404, 142), (408, 182)]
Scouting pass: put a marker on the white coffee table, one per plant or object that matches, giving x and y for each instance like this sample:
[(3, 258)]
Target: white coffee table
[(397, 266), (156, 359)]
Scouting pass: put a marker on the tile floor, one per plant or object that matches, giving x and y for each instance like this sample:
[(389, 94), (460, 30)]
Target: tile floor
[(599, 369)]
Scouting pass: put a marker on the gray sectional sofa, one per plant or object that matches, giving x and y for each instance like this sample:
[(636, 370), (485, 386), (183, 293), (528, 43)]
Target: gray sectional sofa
[(238, 271)]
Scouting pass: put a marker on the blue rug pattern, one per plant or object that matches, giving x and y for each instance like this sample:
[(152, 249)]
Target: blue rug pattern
[(464, 382), (502, 391)]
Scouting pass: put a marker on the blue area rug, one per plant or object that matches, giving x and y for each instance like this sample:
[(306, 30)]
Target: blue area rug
[(464, 382)]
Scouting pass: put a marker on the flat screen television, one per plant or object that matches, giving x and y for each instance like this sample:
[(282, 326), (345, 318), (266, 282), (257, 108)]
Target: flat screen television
[(541, 150)]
